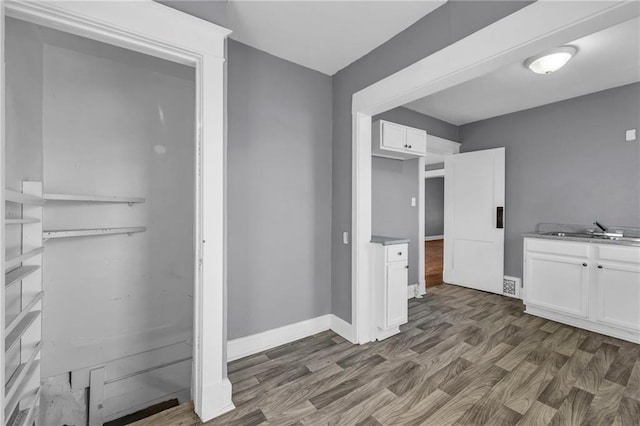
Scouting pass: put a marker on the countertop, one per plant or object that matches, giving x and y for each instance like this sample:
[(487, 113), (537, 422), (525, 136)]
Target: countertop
[(388, 241), (581, 239)]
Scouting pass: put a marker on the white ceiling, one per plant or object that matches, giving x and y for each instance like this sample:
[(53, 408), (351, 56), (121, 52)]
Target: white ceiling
[(605, 59), (323, 35)]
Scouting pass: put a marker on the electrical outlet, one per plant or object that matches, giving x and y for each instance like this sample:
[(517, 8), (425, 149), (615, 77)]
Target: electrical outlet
[(631, 135)]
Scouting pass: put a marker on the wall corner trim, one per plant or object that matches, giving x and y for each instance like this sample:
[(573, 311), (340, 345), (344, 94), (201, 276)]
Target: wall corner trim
[(415, 291), (343, 328), (249, 345)]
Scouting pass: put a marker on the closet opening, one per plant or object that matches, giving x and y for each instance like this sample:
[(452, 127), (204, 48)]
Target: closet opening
[(100, 171)]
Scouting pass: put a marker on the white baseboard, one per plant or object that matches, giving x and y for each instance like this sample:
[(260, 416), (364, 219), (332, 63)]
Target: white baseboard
[(415, 290), (249, 345), (342, 328), (434, 237)]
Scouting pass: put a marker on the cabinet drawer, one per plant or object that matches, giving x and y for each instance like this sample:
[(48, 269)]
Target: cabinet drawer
[(564, 248), (619, 254), (397, 252)]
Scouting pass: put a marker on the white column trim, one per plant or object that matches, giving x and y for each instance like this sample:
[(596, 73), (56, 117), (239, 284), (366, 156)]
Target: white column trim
[(421, 222)]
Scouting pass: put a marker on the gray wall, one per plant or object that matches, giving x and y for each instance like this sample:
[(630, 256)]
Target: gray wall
[(434, 206), (444, 26), (395, 182), (214, 11), (278, 186), (567, 162), (279, 192)]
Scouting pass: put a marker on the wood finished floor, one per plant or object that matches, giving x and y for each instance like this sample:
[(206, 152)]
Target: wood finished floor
[(465, 358), (433, 262)]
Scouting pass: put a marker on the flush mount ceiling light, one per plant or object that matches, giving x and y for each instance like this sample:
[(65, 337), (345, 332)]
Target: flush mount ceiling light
[(550, 61)]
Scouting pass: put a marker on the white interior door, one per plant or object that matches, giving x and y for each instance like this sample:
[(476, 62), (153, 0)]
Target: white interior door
[(473, 219)]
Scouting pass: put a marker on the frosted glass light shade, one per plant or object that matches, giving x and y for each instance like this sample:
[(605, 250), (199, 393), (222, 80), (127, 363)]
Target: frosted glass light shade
[(550, 61)]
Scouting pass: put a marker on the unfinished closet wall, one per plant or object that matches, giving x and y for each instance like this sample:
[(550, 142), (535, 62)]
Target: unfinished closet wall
[(89, 119), (23, 143), (116, 123)]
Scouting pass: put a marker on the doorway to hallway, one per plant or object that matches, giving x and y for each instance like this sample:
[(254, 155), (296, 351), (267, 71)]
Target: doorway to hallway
[(433, 261)]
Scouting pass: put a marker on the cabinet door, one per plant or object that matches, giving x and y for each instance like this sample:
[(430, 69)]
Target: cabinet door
[(417, 141), (394, 136), (618, 294), (558, 283), (396, 306)]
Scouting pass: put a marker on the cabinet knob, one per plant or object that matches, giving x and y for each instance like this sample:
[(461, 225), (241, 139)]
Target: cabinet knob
[(584, 264), (406, 146), (399, 253), (599, 266), (409, 146), (407, 266)]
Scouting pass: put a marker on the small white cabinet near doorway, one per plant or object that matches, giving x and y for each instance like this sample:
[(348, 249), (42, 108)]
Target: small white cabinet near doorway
[(391, 280), (587, 285), (392, 140)]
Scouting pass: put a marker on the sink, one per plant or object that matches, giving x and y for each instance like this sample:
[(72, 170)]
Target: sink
[(571, 234), (593, 236)]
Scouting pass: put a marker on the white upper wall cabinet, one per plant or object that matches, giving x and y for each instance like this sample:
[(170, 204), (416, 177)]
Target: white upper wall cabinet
[(396, 141)]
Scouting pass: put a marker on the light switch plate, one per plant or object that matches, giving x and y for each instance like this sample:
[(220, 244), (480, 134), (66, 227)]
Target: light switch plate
[(631, 135), (413, 201), (345, 237)]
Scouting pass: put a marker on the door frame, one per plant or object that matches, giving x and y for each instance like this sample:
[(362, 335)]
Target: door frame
[(153, 29), (526, 32), (442, 147)]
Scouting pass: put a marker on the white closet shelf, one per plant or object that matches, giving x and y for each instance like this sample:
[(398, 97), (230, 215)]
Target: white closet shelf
[(12, 338), (23, 313), (92, 198), (15, 261), (19, 274), (72, 233), (23, 221), (10, 404), (26, 416), (20, 198), (21, 373)]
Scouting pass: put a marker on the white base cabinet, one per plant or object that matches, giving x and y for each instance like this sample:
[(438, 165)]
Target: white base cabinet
[(391, 279), (587, 285)]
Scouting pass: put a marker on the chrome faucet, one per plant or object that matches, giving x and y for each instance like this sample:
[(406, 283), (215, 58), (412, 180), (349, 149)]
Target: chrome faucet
[(605, 231), (596, 223)]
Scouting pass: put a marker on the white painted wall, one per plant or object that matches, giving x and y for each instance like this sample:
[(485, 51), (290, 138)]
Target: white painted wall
[(110, 122), (116, 123)]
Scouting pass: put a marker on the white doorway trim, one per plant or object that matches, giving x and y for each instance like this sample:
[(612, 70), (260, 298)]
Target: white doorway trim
[(151, 28), (422, 282), (534, 28)]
